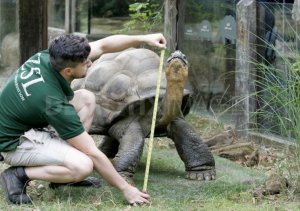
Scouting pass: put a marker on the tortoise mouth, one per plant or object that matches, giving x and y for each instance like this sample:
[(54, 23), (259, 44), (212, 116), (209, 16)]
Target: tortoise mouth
[(177, 55)]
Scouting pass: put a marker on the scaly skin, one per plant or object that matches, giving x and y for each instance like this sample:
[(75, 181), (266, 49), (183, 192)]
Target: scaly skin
[(199, 161)]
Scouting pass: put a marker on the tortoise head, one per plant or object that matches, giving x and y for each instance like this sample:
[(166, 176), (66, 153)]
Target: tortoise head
[(177, 69), (177, 55)]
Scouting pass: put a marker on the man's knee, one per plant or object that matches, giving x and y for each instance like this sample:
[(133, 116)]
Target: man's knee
[(84, 98), (87, 97), (82, 171), (80, 168)]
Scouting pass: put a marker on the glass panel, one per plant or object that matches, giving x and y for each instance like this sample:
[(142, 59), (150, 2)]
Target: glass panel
[(210, 45), (81, 16), (108, 16), (278, 56), (79, 10), (56, 14), (56, 19), (101, 18), (126, 17)]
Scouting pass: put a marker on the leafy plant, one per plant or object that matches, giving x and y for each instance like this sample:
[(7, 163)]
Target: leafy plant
[(144, 16), (296, 72)]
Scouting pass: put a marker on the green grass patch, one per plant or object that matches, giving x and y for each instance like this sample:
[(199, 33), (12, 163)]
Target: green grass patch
[(169, 190)]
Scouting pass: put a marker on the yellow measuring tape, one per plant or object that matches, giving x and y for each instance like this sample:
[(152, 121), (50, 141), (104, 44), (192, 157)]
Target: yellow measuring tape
[(162, 54)]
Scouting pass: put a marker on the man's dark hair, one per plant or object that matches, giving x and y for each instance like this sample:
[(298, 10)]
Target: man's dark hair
[(68, 51)]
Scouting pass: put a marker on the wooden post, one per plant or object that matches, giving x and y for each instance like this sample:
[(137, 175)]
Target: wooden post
[(89, 16), (181, 4), (73, 15), (170, 27), (70, 16), (245, 70), (174, 23), (33, 27), (68, 27)]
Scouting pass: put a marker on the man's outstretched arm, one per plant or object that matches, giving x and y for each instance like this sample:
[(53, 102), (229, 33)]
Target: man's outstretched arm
[(103, 166), (117, 43)]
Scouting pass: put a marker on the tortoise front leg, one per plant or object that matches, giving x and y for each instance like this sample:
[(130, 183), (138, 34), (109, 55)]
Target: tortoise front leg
[(109, 146), (197, 157), (131, 142)]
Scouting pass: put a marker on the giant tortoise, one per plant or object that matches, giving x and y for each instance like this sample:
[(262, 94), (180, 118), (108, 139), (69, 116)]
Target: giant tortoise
[(124, 84)]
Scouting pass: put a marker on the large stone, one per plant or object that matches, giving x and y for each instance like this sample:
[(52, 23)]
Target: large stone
[(10, 54)]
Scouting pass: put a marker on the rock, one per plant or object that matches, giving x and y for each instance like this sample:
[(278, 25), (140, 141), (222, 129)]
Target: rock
[(274, 184), (235, 152), (10, 52), (252, 159), (218, 140)]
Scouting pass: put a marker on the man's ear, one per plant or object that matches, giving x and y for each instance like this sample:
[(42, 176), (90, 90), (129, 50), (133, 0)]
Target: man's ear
[(67, 71)]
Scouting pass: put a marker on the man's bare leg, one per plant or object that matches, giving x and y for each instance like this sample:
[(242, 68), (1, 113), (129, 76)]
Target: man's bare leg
[(77, 166)]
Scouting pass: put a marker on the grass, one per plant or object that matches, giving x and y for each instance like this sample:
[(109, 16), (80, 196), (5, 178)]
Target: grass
[(169, 190)]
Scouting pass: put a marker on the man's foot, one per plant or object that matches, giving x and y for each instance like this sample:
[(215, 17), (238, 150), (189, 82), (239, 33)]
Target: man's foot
[(88, 182), (14, 181)]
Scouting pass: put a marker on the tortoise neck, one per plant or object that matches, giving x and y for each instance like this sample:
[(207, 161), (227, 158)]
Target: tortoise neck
[(176, 75), (171, 105)]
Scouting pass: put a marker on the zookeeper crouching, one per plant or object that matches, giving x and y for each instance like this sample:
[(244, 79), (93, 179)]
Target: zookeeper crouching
[(37, 96)]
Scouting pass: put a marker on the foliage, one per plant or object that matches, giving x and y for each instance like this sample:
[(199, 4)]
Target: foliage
[(112, 8), (144, 16), (199, 10), (277, 99), (296, 73)]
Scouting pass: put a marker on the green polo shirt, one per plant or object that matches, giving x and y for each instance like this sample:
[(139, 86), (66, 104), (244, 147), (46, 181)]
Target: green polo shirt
[(34, 97)]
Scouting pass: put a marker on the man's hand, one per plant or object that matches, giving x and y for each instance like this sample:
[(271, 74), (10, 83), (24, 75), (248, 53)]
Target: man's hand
[(134, 196), (157, 40)]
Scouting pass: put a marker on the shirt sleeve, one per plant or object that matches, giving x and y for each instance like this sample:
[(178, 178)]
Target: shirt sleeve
[(63, 117)]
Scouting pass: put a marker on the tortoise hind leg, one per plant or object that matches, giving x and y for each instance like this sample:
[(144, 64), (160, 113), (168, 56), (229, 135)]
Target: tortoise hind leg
[(129, 134), (197, 157)]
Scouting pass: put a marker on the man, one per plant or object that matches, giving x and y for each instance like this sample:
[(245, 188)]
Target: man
[(39, 94)]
